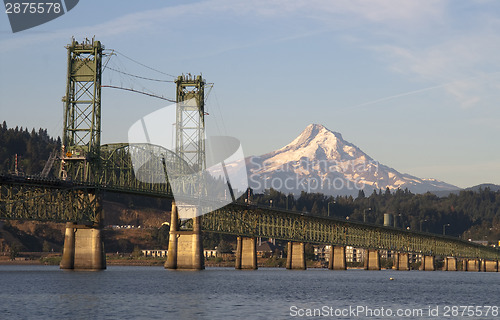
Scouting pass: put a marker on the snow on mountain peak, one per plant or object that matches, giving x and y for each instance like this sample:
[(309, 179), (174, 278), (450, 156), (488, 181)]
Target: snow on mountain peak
[(318, 142), (320, 160), (311, 132)]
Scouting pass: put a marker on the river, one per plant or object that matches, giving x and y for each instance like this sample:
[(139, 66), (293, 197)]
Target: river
[(45, 292)]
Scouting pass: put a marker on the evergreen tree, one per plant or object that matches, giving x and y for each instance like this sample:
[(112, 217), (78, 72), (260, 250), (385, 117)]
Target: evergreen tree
[(361, 195), (32, 149)]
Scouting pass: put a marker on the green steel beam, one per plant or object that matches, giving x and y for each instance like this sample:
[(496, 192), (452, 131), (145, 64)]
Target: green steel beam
[(190, 125), (80, 155), (43, 200), (29, 199), (266, 222)]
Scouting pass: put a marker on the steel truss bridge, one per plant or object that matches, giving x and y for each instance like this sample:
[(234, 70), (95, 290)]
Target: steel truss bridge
[(87, 169), (63, 201)]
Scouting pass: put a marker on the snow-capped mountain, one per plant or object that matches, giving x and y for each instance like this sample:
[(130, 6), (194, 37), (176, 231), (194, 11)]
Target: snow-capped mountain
[(320, 160)]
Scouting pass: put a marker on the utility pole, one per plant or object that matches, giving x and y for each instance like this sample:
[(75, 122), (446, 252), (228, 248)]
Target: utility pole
[(329, 206), (364, 214), (421, 222), (444, 228)]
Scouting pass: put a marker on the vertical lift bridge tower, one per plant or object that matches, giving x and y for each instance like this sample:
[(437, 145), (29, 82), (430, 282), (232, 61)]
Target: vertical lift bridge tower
[(80, 154), (185, 250)]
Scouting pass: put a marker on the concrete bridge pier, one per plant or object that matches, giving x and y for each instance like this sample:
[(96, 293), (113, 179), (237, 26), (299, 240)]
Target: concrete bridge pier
[(83, 248), (185, 249), (296, 258), (246, 253), (68, 257), (401, 262), (491, 265), (372, 260), (465, 264), (428, 263), (450, 264), (473, 265), (337, 259)]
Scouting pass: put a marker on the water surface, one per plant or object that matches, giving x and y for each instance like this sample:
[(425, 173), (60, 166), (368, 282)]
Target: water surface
[(45, 292)]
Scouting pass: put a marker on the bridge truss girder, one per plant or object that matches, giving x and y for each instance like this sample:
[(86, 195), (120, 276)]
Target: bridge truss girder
[(119, 174), (251, 221), (46, 200), (49, 201)]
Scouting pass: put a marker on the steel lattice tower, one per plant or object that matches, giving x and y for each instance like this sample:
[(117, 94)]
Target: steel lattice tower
[(190, 122), (82, 112)]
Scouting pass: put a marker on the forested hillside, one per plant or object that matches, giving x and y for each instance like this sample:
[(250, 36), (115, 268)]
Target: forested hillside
[(33, 148)]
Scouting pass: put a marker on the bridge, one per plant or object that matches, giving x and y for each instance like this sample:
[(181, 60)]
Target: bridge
[(86, 169)]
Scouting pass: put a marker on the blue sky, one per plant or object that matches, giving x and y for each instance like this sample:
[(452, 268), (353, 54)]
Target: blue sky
[(414, 84)]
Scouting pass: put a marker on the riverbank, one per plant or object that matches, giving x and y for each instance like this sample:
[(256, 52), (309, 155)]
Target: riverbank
[(41, 258)]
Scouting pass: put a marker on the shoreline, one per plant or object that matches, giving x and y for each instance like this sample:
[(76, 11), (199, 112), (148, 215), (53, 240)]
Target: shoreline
[(148, 263), (54, 260), (44, 258)]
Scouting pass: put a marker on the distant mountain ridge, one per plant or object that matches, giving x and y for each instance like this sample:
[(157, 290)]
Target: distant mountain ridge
[(491, 186), (320, 160), (483, 186)]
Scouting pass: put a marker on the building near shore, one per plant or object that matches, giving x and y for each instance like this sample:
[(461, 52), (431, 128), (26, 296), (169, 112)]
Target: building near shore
[(154, 253)]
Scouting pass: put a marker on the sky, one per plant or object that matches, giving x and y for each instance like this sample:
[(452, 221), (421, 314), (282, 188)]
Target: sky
[(414, 84)]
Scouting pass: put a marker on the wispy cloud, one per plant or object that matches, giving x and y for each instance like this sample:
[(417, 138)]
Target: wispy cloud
[(458, 62), (381, 11), (456, 88), (143, 21), (467, 64), (337, 13)]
